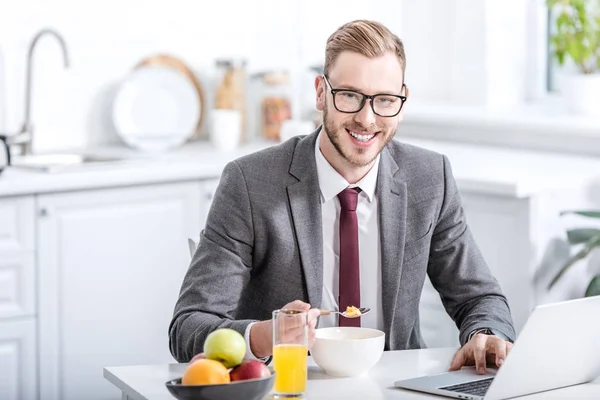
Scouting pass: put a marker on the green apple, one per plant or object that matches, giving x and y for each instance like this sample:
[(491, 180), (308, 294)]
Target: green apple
[(226, 346)]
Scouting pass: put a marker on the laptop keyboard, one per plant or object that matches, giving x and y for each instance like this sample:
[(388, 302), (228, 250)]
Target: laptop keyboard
[(477, 388)]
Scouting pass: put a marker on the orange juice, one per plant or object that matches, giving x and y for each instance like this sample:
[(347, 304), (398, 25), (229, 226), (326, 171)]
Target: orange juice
[(289, 363)]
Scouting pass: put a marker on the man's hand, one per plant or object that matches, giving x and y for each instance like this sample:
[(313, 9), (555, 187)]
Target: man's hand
[(261, 333), (481, 350)]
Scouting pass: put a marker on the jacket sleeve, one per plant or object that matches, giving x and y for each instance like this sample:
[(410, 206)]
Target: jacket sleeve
[(218, 272), (470, 294)]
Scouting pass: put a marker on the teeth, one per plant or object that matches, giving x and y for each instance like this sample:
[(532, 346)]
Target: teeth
[(361, 138)]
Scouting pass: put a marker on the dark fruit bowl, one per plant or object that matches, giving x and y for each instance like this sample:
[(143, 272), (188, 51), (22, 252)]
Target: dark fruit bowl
[(250, 389)]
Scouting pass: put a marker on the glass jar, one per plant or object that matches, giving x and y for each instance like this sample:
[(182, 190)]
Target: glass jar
[(275, 105), (230, 93)]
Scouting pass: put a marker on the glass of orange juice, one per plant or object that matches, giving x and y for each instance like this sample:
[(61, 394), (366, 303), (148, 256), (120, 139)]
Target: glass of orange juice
[(290, 352)]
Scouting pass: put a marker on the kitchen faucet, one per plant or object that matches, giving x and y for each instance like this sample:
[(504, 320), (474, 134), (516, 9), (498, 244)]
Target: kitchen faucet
[(25, 136)]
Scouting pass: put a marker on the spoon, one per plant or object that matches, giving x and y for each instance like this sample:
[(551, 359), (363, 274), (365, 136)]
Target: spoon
[(363, 311)]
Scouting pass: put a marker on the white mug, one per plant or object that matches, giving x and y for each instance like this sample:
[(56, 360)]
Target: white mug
[(225, 129)]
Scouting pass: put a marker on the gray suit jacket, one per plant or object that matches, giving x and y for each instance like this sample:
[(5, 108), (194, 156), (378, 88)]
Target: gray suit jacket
[(262, 248)]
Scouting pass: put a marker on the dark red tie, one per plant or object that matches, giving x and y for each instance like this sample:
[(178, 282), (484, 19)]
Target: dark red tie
[(349, 267)]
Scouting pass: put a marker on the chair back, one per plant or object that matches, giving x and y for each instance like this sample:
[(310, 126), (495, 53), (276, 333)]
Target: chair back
[(192, 245)]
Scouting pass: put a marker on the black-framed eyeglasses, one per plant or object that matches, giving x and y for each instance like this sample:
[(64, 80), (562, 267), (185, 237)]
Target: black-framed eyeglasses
[(352, 101)]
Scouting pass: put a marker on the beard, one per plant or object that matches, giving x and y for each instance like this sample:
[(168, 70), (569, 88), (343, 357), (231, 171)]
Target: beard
[(356, 156)]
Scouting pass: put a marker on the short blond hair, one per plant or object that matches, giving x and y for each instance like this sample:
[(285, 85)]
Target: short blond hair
[(369, 38)]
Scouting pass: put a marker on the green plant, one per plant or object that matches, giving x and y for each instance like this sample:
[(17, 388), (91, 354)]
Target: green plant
[(590, 238), (577, 33)]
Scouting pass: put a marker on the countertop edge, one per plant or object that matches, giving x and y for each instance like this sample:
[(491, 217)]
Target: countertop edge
[(199, 162)]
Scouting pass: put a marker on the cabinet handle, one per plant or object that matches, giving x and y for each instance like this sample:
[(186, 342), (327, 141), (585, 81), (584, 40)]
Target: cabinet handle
[(43, 212), (209, 196)]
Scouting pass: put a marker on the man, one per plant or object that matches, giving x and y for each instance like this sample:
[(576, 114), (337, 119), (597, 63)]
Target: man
[(288, 227)]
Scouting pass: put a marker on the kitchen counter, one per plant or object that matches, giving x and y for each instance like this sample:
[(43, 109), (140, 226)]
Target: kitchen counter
[(513, 172), (479, 169), (194, 161)]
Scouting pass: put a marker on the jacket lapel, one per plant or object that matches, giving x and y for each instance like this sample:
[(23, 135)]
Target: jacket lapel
[(391, 191), (305, 204)]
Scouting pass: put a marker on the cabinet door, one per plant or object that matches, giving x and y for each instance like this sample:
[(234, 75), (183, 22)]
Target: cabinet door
[(111, 263), (16, 225), (17, 285), (18, 370)]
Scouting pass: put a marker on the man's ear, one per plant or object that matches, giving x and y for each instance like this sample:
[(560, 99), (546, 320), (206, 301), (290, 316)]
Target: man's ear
[(320, 92), (407, 94)]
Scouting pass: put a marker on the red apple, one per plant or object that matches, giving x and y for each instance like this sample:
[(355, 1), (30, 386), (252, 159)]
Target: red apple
[(197, 357), (249, 369)]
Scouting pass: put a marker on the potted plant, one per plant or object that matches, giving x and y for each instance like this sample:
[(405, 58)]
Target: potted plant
[(576, 39), (590, 239)]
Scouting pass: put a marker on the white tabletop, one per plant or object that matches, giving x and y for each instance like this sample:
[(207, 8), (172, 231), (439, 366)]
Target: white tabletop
[(147, 382)]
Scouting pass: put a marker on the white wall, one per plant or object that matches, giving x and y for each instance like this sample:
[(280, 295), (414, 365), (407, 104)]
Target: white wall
[(458, 51), (473, 52), (106, 39)]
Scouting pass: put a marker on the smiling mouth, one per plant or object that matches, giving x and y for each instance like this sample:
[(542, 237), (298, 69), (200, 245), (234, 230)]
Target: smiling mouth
[(362, 137)]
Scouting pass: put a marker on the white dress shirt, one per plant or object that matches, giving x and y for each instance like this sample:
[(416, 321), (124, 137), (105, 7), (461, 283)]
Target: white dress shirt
[(331, 183)]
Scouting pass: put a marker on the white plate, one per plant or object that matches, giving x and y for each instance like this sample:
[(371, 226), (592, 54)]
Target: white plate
[(156, 109)]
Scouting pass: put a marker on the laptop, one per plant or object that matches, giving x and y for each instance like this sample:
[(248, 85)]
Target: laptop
[(558, 346)]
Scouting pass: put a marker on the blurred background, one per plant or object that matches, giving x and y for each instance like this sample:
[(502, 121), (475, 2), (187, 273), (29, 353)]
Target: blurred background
[(120, 115)]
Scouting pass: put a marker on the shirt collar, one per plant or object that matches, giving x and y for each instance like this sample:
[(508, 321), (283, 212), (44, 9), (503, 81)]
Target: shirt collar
[(332, 183)]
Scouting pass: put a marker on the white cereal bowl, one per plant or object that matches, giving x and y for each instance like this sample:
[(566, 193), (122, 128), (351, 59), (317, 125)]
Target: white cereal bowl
[(347, 351)]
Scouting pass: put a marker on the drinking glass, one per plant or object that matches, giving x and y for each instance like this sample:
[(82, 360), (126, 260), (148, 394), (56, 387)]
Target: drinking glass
[(290, 352)]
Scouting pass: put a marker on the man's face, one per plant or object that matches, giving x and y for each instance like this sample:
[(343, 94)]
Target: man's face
[(359, 137)]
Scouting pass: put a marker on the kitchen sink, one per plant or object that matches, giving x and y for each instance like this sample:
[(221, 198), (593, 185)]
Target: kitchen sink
[(63, 162)]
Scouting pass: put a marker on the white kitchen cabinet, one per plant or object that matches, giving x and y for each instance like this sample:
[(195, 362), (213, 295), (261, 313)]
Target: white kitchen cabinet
[(111, 263), (18, 355), (17, 225), (17, 257), (17, 285), (18, 367)]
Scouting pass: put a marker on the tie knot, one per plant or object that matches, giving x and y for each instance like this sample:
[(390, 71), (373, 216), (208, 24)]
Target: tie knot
[(349, 198)]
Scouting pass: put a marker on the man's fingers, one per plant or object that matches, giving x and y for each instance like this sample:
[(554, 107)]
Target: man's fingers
[(509, 347), (459, 360), (480, 350), (296, 335), (500, 350), (297, 305), (294, 321), (311, 338), (292, 327), (313, 318), (290, 321), (313, 314), (479, 347)]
